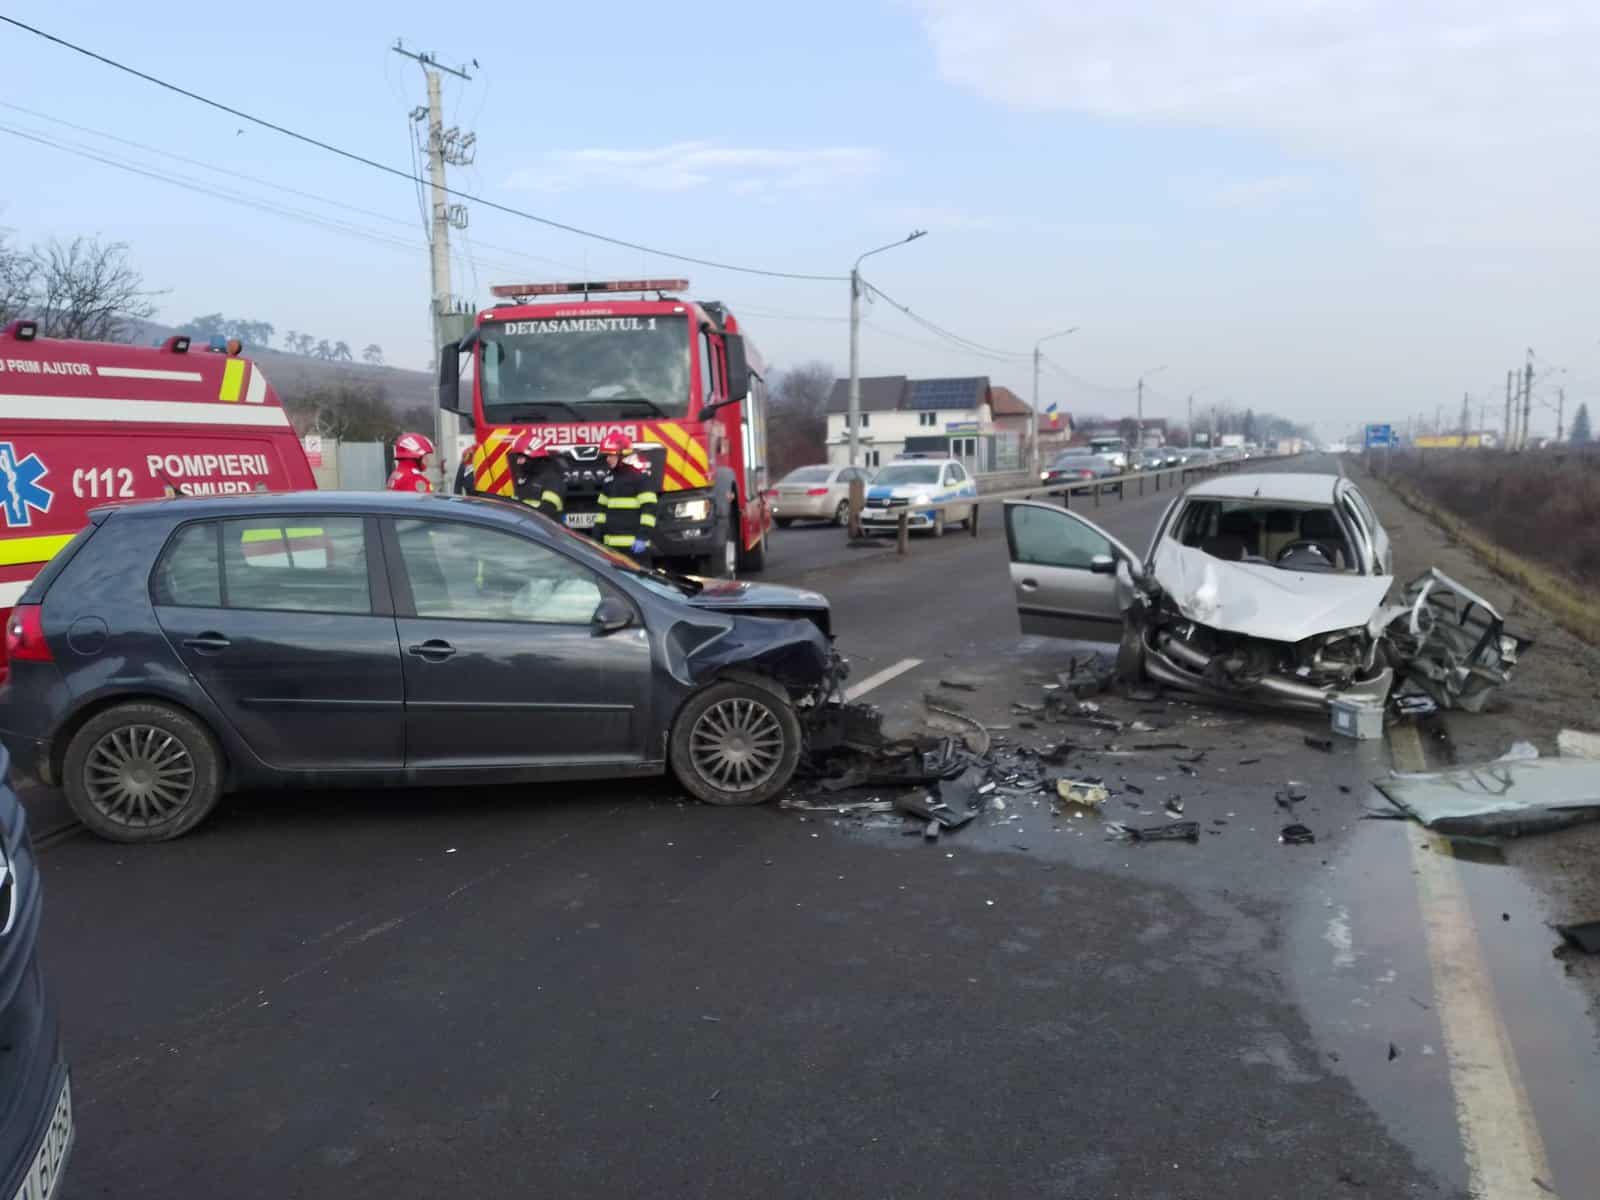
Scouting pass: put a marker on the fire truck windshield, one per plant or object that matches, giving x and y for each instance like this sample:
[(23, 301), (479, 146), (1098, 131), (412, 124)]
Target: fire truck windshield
[(585, 368)]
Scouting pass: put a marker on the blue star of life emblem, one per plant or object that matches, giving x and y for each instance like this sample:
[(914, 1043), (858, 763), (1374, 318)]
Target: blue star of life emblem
[(21, 493)]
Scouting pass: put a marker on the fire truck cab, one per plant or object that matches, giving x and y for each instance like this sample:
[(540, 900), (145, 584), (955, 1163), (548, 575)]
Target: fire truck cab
[(87, 423), (677, 376)]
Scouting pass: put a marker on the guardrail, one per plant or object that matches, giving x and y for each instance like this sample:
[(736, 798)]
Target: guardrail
[(1097, 487)]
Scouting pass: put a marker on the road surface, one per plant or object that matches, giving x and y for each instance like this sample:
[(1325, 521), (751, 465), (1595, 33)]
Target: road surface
[(606, 990)]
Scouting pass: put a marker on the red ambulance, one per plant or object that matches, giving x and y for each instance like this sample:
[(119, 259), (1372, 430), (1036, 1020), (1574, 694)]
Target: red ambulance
[(84, 423)]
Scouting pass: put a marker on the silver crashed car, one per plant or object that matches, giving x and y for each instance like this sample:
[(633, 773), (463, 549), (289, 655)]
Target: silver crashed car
[(1267, 588)]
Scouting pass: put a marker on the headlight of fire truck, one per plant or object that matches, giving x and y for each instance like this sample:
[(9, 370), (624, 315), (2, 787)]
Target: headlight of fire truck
[(692, 510)]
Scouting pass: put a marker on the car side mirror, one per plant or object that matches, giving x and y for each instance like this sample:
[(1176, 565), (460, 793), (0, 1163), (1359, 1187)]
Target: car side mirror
[(610, 615), (738, 367), (1103, 564)]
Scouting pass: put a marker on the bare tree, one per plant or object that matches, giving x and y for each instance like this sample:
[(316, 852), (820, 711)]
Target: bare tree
[(798, 418), (373, 354), (17, 273), (341, 352), (88, 290), (324, 350)]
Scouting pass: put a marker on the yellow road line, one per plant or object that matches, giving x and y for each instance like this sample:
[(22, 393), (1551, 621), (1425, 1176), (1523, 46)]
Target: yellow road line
[(1504, 1151)]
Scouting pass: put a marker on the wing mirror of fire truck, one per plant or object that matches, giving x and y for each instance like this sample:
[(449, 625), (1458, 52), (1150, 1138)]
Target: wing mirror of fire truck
[(450, 373), (738, 375)]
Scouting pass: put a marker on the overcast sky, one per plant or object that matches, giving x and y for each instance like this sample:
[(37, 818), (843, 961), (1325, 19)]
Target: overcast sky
[(1337, 211)]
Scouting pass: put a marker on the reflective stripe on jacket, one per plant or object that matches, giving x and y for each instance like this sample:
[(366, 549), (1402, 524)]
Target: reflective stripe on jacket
[(627, 507)]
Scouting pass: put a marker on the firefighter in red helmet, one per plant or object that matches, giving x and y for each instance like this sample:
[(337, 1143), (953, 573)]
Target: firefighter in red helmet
[(411, 452), (537, 478), (627, 518)]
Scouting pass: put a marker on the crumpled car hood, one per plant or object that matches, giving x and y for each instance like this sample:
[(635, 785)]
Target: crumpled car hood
[(1263, 601)]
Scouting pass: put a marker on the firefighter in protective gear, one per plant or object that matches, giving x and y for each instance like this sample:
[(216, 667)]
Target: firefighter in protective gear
[(627, 519), (411, 452), (466, 474), (537, 478)]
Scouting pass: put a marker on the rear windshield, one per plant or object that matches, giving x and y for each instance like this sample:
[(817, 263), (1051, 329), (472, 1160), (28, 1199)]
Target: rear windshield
[(809, 475)]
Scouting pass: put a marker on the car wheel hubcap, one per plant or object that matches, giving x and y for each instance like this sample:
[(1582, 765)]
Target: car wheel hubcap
[(139, 775), (737, 744)]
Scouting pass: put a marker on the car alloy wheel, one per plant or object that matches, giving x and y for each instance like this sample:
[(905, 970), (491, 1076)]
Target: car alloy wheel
[(737, 744), (841, 515), (139, 775)]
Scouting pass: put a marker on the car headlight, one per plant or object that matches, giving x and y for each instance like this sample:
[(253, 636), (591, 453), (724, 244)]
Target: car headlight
[(922, 498), (692, 510)]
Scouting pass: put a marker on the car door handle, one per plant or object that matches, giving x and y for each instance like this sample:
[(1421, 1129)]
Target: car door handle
[(208, 643), (432, 650), (1030, 585)]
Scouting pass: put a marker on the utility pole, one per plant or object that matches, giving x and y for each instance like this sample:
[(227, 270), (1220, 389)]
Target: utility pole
[(1033, 459), (1466, 418), (1190, 426), (1527, 402), (853, 409), (1506, 443), (457, 149), (1138, 442), (1561, 413)]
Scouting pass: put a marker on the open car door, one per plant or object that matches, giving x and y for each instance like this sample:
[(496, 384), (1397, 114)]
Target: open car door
[(1065, 572)]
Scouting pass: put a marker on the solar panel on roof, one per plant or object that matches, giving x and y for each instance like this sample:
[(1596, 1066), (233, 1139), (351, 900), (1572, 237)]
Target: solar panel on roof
[(946, 393)]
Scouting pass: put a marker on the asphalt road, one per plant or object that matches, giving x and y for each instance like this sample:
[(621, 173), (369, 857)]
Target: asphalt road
[(608, 991)]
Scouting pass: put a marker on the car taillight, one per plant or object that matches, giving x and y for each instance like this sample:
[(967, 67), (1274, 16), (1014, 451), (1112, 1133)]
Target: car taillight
[(25, 635), (1085, 474), (817, 491)]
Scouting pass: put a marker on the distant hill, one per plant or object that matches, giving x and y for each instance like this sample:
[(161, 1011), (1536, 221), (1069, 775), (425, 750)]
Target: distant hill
[(293, 374)]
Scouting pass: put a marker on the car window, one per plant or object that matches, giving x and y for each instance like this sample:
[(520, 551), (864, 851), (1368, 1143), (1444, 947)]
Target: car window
[(190, 571), (305, 563), (809, 475), (958, 473), (903, 473), (469, 573), (1050, 538)]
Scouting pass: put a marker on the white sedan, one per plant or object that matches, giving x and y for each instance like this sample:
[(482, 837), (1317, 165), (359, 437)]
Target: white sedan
[(815, 494)]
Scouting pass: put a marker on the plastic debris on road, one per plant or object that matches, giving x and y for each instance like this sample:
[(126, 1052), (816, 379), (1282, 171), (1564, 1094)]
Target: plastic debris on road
[(1584, 937), (1508, 797), (1084, 793), (1177, 831), (1296, 835)]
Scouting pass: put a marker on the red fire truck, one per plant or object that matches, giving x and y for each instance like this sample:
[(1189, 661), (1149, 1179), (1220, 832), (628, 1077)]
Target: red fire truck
[(677, 376), (83, 423)]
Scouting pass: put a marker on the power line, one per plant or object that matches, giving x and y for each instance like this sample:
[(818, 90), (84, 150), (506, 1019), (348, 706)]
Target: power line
[(941, 330), (281, 187), (400, 174)]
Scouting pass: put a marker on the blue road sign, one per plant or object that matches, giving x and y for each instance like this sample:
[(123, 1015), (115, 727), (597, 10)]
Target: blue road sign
[(1379, 436)]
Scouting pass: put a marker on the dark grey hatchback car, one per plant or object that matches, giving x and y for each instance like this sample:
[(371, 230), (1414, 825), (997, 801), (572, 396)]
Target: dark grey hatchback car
[(178, 649)]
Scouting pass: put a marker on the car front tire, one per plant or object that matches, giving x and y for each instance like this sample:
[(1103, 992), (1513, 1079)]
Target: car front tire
[(735, 743), (142, 772)]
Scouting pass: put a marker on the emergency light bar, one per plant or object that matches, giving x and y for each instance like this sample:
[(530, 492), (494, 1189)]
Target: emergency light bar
[(513, 290)]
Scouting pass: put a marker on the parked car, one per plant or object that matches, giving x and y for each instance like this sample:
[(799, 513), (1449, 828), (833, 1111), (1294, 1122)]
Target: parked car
[(1150, 458), (1113, 449), (917, 481), (183, 648), (820, 493), (1073, 465), (1261, 587), (36, 1126)]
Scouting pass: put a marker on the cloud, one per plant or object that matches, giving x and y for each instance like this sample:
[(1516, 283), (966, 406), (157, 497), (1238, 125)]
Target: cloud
[(683, 166), (1486, 103)]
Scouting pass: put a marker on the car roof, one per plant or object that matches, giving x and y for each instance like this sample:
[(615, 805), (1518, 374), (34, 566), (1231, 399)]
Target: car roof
[(386, 503), (1295, 487), (918, 461)]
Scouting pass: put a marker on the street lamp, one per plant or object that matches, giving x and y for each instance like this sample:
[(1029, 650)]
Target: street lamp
[(1139, 425), (1034, 463), (1192, 395), (853, 413)]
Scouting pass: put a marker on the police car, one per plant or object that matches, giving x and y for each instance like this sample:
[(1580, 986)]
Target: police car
[(909, 482)]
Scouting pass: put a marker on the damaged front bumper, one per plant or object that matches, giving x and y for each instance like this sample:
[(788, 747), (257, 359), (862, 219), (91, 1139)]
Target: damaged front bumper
[(1444, 640)]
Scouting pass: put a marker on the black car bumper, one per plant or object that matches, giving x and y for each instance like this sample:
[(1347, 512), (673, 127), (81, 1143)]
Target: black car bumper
[(30, 758)]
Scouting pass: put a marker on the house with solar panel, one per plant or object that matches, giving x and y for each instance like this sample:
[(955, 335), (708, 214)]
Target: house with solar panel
[(983, 425)]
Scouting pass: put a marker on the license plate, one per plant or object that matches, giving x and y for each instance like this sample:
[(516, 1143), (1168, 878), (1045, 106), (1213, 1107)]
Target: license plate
[(581, 520), (43, 1180)]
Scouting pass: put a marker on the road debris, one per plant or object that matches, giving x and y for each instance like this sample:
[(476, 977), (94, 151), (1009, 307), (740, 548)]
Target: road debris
[(1296, 835), (1584, 937), (1178, 831), (1174, 806), (1574, 743), (1452, 642), (1394, 1052), (1506, 798), (1319, 743), (1084, 793)]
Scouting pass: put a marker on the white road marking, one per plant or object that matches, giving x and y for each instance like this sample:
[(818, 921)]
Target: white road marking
[(856, 691), (1503, 1149)]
